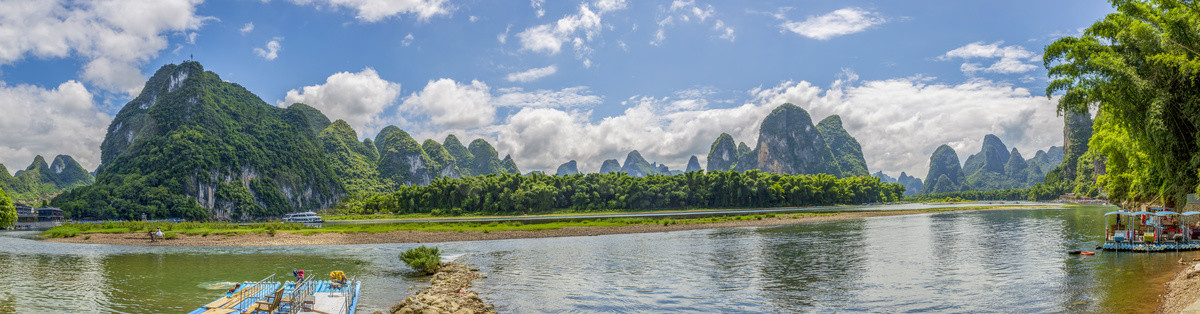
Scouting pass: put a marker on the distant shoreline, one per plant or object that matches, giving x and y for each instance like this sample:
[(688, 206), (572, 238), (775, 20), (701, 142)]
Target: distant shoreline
[(408, 236)]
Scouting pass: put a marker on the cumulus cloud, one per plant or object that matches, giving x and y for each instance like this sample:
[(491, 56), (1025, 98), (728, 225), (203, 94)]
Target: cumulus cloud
[(452, 104), (113, 37), (247, 28), (408, 39), (359, 98), (549, 38), (532, 74), (899, 123), (376, 10), (48, 122), (837, 23), (272, 50), (1008, 59), (579, 96), (537, 7), (688, 12)]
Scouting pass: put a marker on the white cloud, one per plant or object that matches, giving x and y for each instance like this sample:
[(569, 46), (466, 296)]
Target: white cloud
[(503, 37), (837, 23), (452, 104), (1009, 59), (247, 28), (272, 50), (113, 37), (473, 19), (532, 74), (579, 96), (376, 10), (48, 122), (549, 38), (537, 7), (686, 12), (359, 98), (605, 6), (899, 123), (408, 39)]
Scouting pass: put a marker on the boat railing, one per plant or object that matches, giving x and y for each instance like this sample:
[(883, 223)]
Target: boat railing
[(349, 295), (301, 292)]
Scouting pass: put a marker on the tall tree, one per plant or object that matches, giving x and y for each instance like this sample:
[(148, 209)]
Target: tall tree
[(1139, 67), (8, 212)]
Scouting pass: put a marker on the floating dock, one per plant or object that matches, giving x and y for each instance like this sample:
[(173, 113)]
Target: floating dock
[(311, 296)]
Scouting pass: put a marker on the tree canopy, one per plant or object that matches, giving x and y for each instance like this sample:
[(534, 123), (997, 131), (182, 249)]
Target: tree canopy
[(1138, 68)]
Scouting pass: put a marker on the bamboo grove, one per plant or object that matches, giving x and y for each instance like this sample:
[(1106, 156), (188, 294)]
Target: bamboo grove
[(516, 194)]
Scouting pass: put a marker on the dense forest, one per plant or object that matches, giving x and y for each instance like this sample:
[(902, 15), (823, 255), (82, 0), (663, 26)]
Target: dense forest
[(516, 194), (1139, 70)]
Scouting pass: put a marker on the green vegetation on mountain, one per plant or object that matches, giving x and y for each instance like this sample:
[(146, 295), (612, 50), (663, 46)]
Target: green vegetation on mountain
[(351, 160), (945, 171), (536, 193), (194, 146), (636, 166), (610, 166), (788, 143), (317, 121), (912, 185), (403, 161), (847, 153), (40, 181), (723, 155), (509, 165), (997, 168), (461, 155), (443, 164), (485, 160), (1138, 68)]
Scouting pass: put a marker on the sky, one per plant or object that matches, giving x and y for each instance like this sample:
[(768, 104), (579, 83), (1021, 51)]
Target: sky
[(553, 81)]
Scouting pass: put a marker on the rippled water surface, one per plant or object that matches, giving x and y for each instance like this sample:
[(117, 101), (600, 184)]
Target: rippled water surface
[(979, 261)]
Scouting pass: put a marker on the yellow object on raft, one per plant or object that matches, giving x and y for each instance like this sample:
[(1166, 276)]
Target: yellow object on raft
[(1148, 237), (337, 275)]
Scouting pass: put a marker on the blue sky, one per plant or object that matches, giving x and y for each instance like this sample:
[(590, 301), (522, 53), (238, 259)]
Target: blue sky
[(552, 81)]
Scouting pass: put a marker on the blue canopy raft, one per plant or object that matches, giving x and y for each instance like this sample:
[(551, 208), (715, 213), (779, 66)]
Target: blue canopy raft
[(335, 296), (1157, 231)]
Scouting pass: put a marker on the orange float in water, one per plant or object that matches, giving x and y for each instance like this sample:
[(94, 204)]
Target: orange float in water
[(1087, 253)]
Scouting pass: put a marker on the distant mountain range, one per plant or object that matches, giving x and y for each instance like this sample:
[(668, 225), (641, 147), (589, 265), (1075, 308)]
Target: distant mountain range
[(40, 181), (994, 167)]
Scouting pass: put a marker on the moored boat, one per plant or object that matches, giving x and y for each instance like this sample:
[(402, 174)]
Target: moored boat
[(1152, 231), (338, 295), (304, 217)]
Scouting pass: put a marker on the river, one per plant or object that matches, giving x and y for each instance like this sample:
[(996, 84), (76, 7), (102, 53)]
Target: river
[(972, 261)]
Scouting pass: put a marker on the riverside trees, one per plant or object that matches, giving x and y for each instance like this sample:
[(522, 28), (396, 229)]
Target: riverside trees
[(1140, 69), (516, 194)]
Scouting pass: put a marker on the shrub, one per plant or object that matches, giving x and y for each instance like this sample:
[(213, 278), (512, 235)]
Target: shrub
[(426, 259), (170, 235), (61, 232)]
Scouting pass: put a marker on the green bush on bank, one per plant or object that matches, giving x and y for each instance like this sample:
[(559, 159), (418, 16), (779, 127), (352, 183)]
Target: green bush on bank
[(426, 259)]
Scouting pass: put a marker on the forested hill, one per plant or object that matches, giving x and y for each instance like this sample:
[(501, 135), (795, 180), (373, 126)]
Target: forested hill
[(194, 146), (40, 181)]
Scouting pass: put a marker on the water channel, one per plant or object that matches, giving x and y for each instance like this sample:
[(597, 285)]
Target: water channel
[(970, 261)]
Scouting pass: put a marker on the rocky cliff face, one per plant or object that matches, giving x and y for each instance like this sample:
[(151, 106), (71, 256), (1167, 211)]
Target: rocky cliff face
[(403, 161), (610, 166), (789, 143), (945, 173), (693, 164), (636, 166), (1077, 131), (567, 168), (445, 164), (723, 155), (847, 153)]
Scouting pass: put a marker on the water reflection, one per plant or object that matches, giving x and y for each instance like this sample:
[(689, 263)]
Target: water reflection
[(981, 261)]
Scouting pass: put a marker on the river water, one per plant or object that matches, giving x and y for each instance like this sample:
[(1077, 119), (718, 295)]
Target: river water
[(974, 261)]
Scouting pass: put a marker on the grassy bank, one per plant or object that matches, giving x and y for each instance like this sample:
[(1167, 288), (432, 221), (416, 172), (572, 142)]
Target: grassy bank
[(229, 229)]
